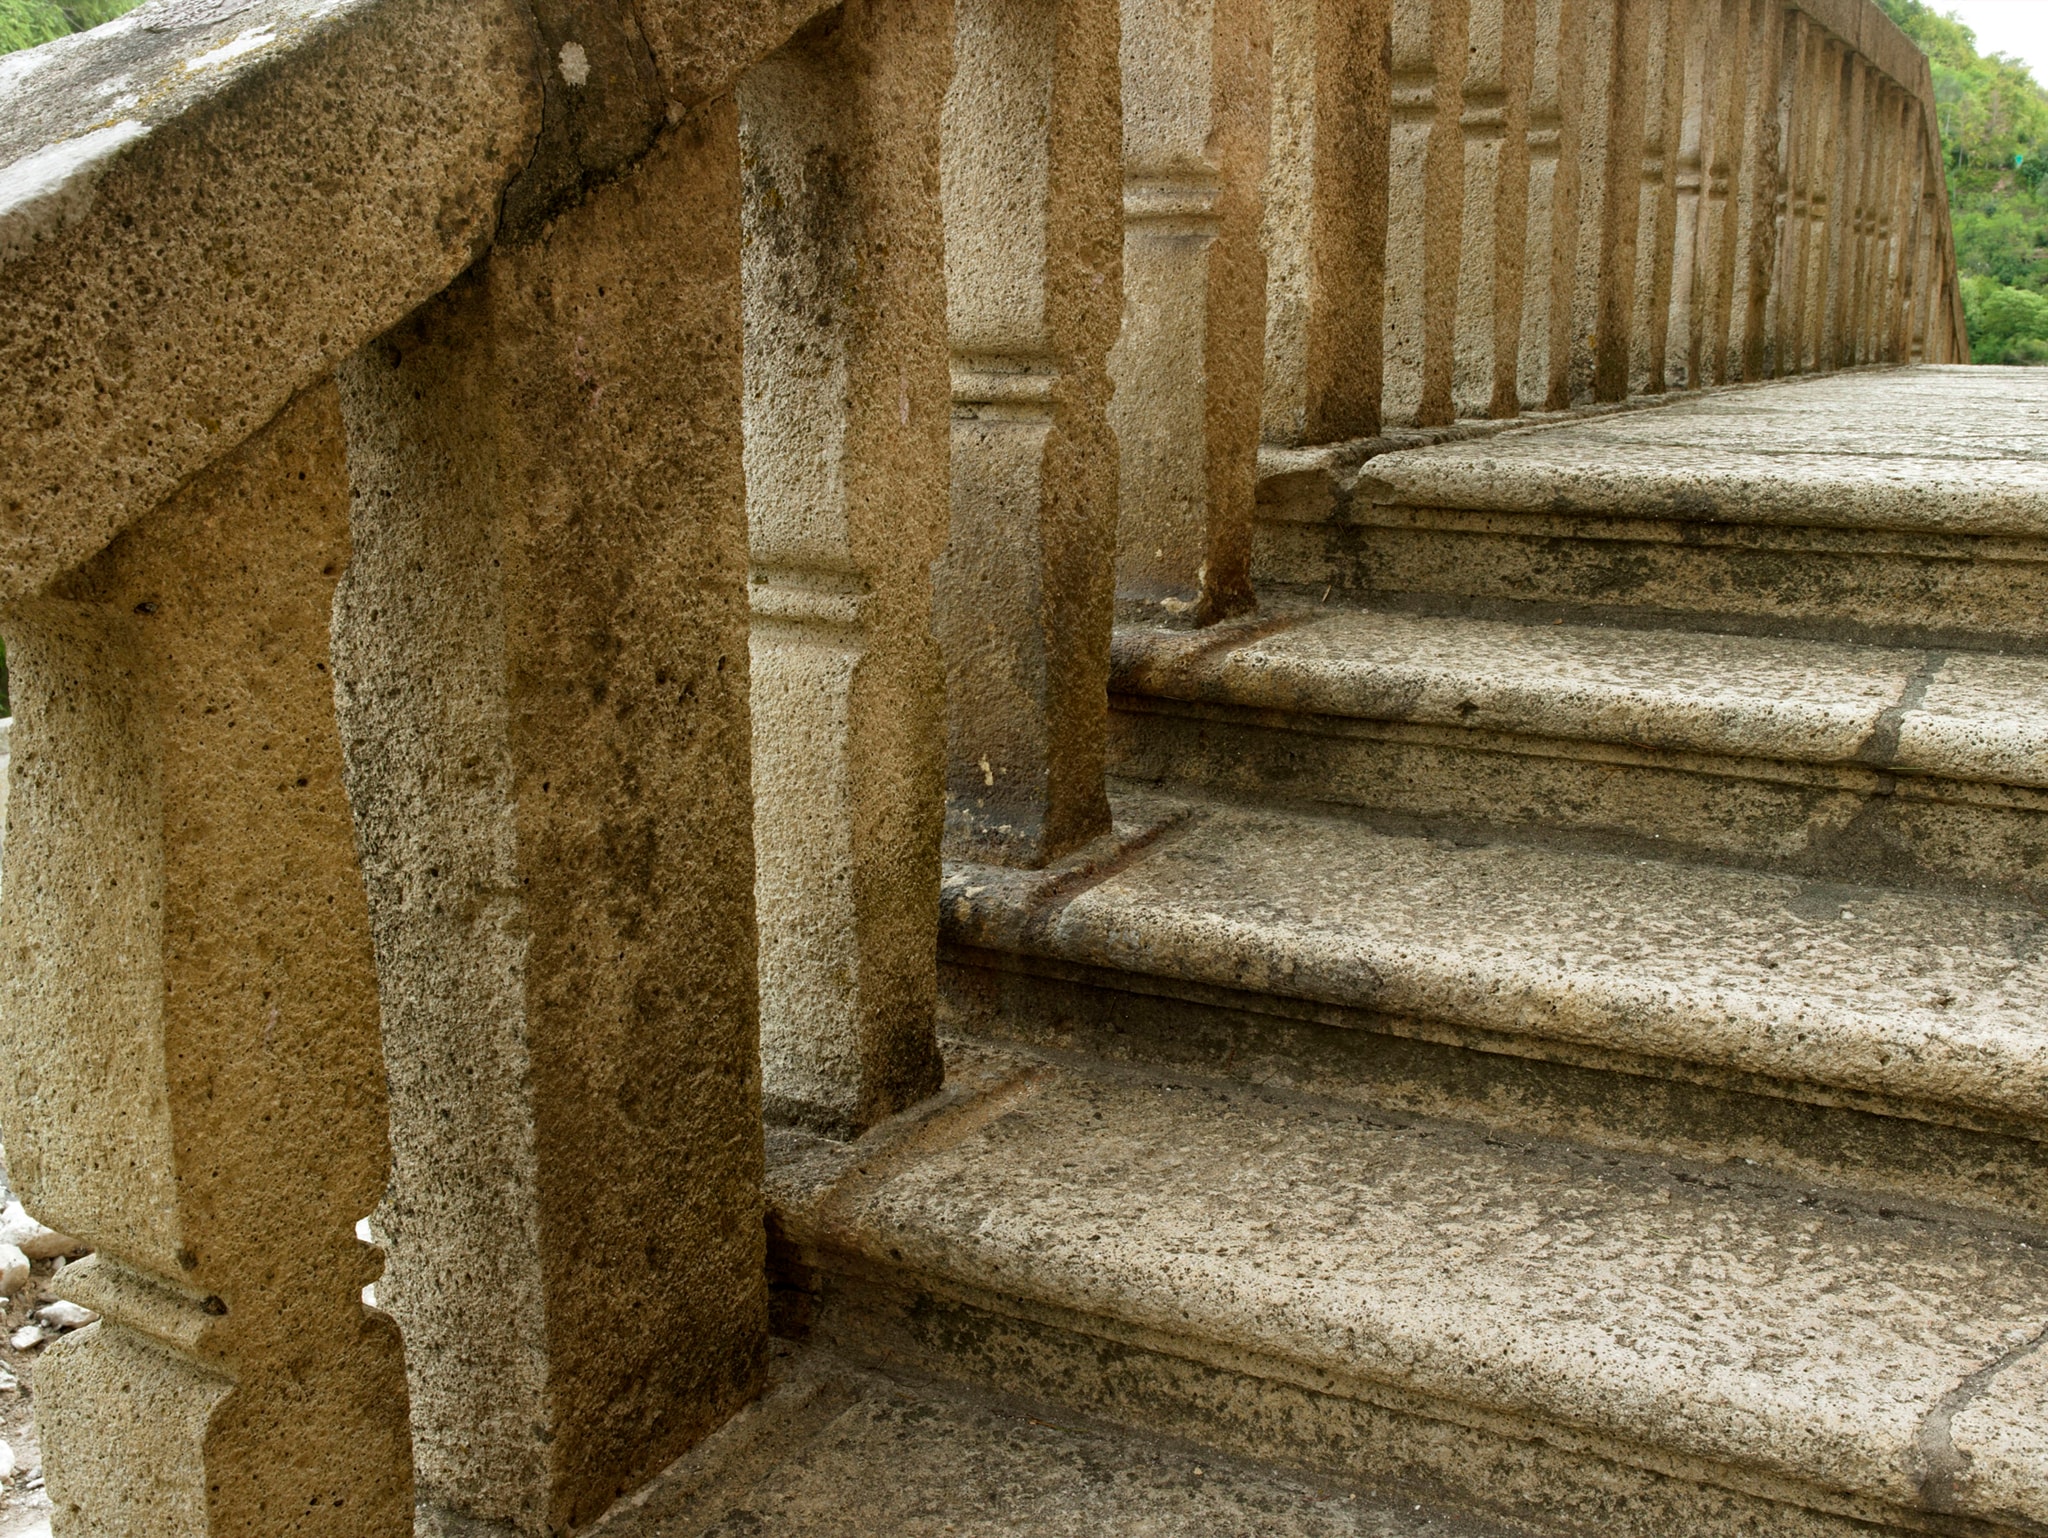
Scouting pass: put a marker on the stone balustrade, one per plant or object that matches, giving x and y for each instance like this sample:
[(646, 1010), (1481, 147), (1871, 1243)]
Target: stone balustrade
[(525, 526)]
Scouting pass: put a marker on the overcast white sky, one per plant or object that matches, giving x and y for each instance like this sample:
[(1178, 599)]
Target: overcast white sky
[(2017, 27)]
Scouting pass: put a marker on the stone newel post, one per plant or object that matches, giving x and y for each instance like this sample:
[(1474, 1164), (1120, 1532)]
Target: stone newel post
[(190, 1018), (1033, 294), (846, 452)]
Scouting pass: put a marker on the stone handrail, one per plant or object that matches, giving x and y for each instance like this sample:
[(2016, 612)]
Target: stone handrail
[(527, 525)]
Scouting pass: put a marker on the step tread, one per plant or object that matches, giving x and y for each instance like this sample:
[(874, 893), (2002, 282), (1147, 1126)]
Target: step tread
[(1901, 450), (1964, 715), (832, 1451), (1705, 1315), (1931, 1000)]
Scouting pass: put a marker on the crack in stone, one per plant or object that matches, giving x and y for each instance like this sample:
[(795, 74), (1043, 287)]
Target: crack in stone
[(1934, 1449), (1881, 747)]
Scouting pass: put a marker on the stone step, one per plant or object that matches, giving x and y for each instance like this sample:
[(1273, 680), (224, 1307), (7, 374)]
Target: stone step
[(1623, 1346), (1873, 1037), (835, 1450), (1821, 757), (1907, 505)]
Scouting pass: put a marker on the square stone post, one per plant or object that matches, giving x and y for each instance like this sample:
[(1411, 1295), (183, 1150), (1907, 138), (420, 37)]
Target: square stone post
[(190, 1018), (1796, 114), (541, 658), (1494, 126), (1721, 212), (1031, 179), (1657, 195), (1827, 173), (1189, 365), (1613, 302), (847, 426), (1839, 264), (1682, 362), (1861, 180), (1425, 211), (1325, 221), (1610, 99), (1550, 242)]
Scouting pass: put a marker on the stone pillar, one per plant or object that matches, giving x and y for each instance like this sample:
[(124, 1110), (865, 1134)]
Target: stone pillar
[(1494, 128), (1610, 97), (190, 1018), (847, 426), (1860, 183), (1189, 364), (1032, 198), (1795, 114), (1325, 221), (1549, 244), (1425, 196), (1827, 172), (1760, 180), (541, 659), (1839, 264), (1657, 202)]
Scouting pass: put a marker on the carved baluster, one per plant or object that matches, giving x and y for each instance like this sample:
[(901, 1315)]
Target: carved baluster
[(1425, 189), (1189, 364), (1827, 173), (1796, 113), (1549, 245), (1759, 178), (542, 653), (847, 418), (1032, 179), (1325, 221), (190, 1018), (1494, 129), (1657, 195), (1690, 204), (1842, 210)]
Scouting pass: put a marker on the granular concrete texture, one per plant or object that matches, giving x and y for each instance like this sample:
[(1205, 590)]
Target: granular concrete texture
[(1030, 181), (1741, 1355), (835, 1451), (190, 1026), (847, 420), (541, 658)]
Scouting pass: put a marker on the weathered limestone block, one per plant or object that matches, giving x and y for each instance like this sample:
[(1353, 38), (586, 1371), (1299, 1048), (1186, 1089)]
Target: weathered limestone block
[(1550, 242), (1325, 221), (146, 161), (1031, 193), (1493, 126), (190, 1018), (541, 660), (1425, 214), (847, 429), (1189, 363)]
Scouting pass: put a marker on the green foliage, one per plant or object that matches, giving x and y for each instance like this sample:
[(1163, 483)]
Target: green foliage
[(1994, 134), (25, 23)]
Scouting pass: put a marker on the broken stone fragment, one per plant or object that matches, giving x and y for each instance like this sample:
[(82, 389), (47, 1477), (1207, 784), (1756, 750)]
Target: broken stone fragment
[(27, 1338), (35, 1241), (63, 1315), (13, 1270)]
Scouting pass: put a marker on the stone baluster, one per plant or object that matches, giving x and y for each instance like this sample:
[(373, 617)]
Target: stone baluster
[(1787, 298), (1688, 186), (1608, 82), (1827, 175), (1760, 180), (1878, 342), (1613, 308), (190, 1017), (541, 651), (1657, 196), (1727, 65), (1549, 243), (1920, 253), (1424, 210), (1494, 127), (1031, 194), (1856, 253), (1905, 203), (1189, 363), (1325, 221), (847, 428), (1840, 265)]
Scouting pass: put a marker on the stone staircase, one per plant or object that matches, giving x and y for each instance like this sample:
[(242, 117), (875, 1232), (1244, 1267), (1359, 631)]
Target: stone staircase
[(1555, 1036)]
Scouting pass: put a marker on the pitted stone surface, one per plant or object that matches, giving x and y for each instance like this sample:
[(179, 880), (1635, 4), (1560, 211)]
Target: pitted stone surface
[(1703, 1315), (833, 1452), (1929, 998), (1800, 452)]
